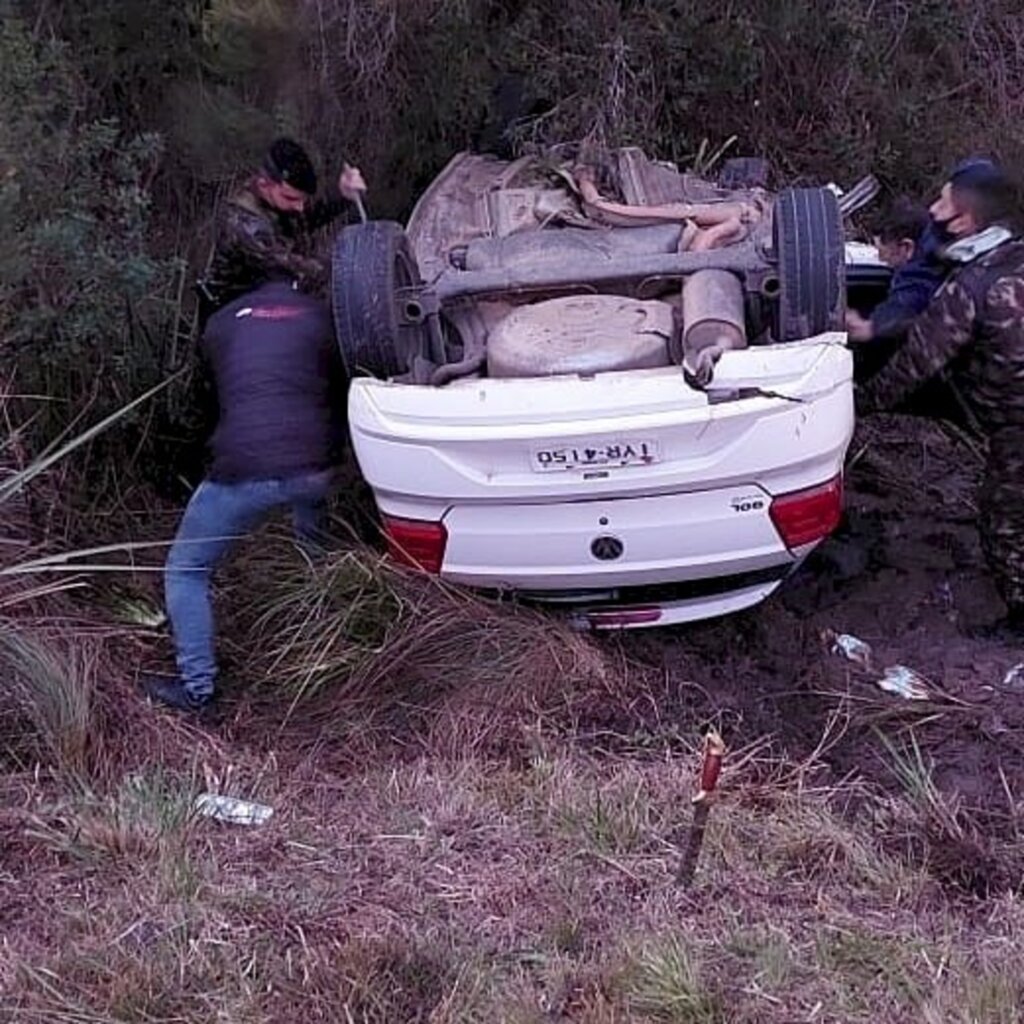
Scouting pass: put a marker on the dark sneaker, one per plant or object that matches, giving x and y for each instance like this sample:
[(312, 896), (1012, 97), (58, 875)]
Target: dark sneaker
[(170, 690)]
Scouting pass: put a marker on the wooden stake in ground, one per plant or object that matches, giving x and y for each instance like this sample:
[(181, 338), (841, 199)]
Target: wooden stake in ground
[(710, 768)]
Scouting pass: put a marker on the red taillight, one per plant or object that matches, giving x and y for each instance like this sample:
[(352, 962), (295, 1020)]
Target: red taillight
[(415, 543), (808, 516)]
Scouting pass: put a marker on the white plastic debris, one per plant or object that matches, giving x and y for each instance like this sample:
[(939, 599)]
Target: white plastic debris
[(233, 810), (897, 679), (1014, 679), (904, 682), (853, 649)]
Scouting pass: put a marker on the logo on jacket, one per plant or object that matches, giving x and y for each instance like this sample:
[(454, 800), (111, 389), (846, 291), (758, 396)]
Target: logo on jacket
[(270, 312)]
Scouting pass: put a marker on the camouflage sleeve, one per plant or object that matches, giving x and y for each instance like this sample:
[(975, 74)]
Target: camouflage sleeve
[(935, 339), (257, 251)]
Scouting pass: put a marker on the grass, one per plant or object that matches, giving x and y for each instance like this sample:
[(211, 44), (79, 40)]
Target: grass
[(769, 953), (50, 687), (49, 702), (478, 819), (667, 986), (476, 857), (451, 890), (993, 995), (868, 968), (352, 599), (813, 845), (397, 652), (913, 772), (146, 815), (146, 822), (618, 819), (958, 850)]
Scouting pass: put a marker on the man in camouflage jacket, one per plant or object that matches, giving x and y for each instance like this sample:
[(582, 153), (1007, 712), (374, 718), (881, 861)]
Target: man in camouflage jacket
[(974, 326), (268, 227)]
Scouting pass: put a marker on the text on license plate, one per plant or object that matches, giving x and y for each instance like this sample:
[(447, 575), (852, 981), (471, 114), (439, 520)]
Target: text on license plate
[(603, 453)]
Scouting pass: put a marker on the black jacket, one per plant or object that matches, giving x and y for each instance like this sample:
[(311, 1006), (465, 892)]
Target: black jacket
[(912, 287), (280, 385)]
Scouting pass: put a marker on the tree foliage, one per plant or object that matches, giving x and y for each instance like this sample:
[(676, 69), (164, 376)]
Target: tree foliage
[(124, 122), (82, 296)]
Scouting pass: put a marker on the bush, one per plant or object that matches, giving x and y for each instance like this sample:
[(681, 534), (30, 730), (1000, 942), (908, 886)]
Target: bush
[(86, 309)]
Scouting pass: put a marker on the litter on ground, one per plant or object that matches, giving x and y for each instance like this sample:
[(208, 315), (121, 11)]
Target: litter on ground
[(232, 810), (904, 682), (853, 649), (1014, 679)]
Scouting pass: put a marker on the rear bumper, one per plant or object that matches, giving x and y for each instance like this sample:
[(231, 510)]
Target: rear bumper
[(659, 540), (690, 602)]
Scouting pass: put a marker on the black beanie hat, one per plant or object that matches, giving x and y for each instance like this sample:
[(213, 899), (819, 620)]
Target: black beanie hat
[(286, 161), (978, 173)]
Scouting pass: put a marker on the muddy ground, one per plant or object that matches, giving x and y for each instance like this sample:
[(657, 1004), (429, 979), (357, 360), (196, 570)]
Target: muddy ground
[(905, 574)]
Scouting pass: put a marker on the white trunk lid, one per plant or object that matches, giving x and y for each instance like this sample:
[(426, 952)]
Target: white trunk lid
[(635, 433)]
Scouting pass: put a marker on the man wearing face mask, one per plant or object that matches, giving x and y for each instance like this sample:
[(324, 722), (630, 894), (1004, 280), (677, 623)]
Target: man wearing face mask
[(974, 326), (266, 230)]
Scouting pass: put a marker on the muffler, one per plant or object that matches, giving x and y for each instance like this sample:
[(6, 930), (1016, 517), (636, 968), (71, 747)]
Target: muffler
[(713, 322)]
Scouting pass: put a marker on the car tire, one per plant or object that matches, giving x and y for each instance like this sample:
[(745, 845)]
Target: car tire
[(807, 236), (371, 265)]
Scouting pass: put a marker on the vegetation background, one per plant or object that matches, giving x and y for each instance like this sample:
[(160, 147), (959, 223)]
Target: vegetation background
[(124, 122), (478, 814)]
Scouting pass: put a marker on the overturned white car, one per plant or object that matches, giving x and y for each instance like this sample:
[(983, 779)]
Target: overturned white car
[(638, 409)]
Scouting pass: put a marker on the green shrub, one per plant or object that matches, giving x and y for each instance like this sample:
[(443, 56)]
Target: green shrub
[(86, 309)]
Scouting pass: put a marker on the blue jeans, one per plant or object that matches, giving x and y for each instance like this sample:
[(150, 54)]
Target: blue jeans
[(217, 515)]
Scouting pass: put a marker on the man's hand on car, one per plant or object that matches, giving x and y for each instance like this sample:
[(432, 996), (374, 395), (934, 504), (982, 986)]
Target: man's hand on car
[(858, 328), (350, 183)]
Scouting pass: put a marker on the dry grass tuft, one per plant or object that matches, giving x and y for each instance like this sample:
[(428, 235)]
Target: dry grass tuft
[(355, 640), (992, 994), (49, 698), (180, 972), (667, 985), (958, 851), (146, 816)]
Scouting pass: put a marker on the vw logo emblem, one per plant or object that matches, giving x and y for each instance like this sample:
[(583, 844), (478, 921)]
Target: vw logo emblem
[(607, 549)]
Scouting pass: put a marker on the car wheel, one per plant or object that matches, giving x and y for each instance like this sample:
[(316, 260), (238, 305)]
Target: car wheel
[(372, 268), (807, 235)]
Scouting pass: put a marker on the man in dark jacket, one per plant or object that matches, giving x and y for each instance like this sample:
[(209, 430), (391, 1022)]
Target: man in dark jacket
[(280, 391), (909, 242), (975, 327), (268, 227)]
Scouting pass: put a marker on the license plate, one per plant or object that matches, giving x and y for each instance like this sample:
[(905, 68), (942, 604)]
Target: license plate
[(600, 454)]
